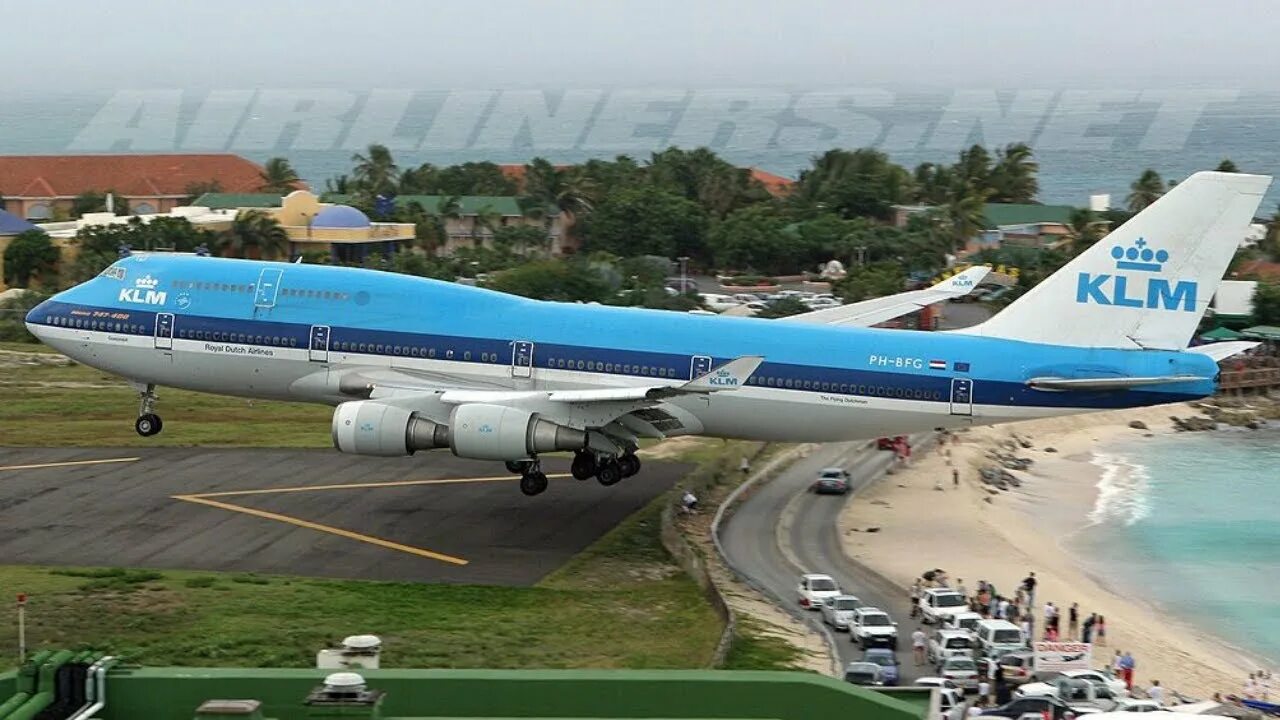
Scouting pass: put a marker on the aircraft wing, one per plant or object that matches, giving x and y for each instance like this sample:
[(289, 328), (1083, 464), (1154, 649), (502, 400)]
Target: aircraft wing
[(876, 310), (1106, 383)]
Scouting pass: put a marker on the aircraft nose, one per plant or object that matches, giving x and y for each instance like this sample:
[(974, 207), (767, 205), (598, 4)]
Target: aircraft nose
[(38, 316)]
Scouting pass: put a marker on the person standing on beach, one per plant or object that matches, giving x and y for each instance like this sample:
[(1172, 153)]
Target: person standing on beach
[(1155, 692), (960, 588), (1087, 633), (1116, 668), (1002, 609), (918, 639), (955, 477), (1073, 621), (1100, 631), (1027, 628), (1029, 584), (1127, 666)]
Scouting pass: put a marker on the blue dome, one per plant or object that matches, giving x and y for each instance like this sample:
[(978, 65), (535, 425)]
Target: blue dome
[(340, 216)]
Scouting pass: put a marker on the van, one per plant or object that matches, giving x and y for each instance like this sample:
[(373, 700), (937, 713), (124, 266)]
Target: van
[(996, 637), (967, 621)]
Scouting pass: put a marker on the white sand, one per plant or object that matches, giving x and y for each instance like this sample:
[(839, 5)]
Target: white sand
[(1027, 529)]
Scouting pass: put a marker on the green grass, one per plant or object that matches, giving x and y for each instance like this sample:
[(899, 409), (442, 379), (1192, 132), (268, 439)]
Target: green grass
[(752, 649), (621, 604), (80, 406)]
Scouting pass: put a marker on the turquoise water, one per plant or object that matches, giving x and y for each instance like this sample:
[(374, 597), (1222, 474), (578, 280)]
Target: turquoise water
[(1192, 522)]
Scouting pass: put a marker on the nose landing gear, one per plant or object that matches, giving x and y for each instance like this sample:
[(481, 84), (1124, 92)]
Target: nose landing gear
[(148, 422)]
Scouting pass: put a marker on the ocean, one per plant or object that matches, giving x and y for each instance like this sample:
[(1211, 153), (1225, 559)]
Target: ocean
[(1191, 522), (1085, 142)]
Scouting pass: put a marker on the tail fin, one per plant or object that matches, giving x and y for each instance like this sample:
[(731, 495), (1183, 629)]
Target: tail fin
[(1147, 284)]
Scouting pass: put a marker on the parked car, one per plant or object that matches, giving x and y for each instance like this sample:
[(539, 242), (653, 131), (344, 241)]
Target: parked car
[(887, 659), (870, 627), (961, 670), (838, 611), (864, 673), (814, 589), (948, 643), (950, 697), (1082, 695), (831, 481), (1097, 677), (967, 621), (938, 604), (718, 303), (997, 637), (1018, 707), (1017, 666)]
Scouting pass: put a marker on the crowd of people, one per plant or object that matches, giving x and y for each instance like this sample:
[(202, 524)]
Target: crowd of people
[(1056, 624)]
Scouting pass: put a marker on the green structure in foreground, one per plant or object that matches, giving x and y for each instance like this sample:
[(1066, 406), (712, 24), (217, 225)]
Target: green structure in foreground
[(285, 694)]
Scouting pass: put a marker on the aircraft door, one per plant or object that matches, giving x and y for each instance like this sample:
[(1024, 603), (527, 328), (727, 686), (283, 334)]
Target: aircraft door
[(961, 396), (319, 344), (699, 365), (521, 359), (264, 295), (164, 331)]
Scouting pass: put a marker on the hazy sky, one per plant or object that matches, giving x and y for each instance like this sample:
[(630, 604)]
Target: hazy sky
[(356, 44)]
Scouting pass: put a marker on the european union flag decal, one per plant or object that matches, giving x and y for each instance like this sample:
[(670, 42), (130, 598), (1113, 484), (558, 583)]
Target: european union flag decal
[(961, 367)]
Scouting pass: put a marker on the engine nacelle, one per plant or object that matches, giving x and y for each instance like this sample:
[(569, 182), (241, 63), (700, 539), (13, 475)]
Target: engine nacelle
[(367, 427), (498, 432)]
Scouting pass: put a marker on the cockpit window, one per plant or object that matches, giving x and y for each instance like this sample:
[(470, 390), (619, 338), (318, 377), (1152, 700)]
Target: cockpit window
[(115, 272)]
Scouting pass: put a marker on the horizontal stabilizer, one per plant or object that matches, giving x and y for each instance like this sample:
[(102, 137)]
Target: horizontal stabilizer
[(877, 310), (1222, 350), (1106, 383)]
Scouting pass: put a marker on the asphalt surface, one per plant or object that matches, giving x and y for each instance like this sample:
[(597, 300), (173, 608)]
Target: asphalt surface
[(783, 531), (427, 518)]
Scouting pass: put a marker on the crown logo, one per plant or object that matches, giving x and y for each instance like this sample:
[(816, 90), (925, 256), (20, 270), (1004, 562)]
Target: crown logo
[(146, 282), (1139, 257)]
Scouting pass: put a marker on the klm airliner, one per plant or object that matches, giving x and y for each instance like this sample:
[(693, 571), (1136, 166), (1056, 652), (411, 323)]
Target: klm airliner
[(415, 364)]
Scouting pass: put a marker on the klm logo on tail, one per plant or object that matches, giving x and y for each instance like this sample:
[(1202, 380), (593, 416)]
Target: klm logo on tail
[(1127, 290)]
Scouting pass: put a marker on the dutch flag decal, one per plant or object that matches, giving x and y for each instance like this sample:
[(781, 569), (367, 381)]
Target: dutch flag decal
[(937, 364)]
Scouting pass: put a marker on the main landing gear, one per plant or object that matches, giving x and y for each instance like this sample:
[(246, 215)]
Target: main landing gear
[(148, 423), (607, 469)]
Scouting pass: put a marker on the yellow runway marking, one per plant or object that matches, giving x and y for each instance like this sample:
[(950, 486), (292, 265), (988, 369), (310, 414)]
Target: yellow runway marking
[(323, 528), (206, 499), (69, 463), (358, 486)]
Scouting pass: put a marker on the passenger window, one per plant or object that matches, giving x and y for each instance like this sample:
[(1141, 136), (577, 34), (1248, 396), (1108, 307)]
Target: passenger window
[(431, 352), (466, 355), (448, 354), (560, 363), (608, 367)]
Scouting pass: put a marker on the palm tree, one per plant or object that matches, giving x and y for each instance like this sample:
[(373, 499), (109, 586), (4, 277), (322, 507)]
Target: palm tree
[(376, 173), (965, 214), (568, 190), (1083, 229), (253, 234), (278, 176), (486, 218), (1145, 190), (338, 185), (449, 207), (1014, 177)]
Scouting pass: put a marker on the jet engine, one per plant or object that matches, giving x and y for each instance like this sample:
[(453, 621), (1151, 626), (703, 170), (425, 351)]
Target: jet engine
[(476, 430), (498, 432), (366, 427)]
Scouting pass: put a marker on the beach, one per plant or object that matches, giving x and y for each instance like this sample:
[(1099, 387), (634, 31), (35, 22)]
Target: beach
[(977, 533)]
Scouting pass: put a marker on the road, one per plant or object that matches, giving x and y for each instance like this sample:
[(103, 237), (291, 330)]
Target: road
[(429, 518), (782, 531)]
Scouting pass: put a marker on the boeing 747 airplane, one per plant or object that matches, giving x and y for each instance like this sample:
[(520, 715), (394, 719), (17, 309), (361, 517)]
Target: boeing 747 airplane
[(415, 364)]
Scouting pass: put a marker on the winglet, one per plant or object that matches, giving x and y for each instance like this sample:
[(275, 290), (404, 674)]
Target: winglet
[(729, 376), (963, 283)]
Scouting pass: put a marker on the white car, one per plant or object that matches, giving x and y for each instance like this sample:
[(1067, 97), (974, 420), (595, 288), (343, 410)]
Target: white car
[(871, 627), (814, 589), (938, 604), (718, 303), (961, 670), (1098, 677), (950, 696), (838, 611), (967, 621), (1081, 694), (949, 643), (746, 298)]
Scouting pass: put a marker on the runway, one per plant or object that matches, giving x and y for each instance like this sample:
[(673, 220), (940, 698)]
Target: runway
[(428, 518)]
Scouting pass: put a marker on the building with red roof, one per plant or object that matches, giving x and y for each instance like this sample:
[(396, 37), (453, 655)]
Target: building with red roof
[(42, 187)]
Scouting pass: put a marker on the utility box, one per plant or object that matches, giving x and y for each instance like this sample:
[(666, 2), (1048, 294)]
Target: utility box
[(344, 695), (358, 652)]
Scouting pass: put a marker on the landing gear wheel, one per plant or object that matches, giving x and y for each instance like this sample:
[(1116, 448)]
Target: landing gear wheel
[(533, 483), (519, 467), (584, 465), (629, 464), (148, 425), (609, 472)]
